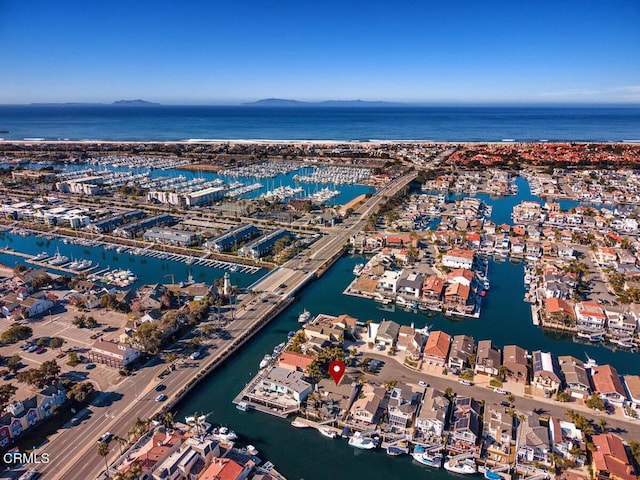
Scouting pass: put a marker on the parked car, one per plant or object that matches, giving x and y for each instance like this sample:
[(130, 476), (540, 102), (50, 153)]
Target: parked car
[(195, 355), (106, 436), (90, 366), (501, 391), (466, 382), (40, 350), (423, 384)]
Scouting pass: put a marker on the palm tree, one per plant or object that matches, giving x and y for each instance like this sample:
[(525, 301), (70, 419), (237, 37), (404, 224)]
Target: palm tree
[(511, 398), (168, 419), (103, 451), (502, 372), (121, 441), (196, 421), (603, 424)]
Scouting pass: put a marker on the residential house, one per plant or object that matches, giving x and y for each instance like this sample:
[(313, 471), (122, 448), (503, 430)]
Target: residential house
[(437, 348), (458, 258), (498, 432), (534, 443), (576, 378), (559, 308), (488, 358), (457, 298), (607, 384), (462, 348), (514, 358), (388, 333), (432, 289), (288, 382), (388, 282), (610, 459), (410, 286), (294, 361), (225, 469), (402, 405), (546, 375), (565, 438), (590, 316), (433, 413), (632, 382), (366, 409), (466, 424)]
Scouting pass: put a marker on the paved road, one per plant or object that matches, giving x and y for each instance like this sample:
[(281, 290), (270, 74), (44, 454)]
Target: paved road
[(117, 410)]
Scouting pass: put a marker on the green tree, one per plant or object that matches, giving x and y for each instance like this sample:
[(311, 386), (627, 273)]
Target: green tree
[(56, 342), (103, 451), (15, 334), (14, 363), (595, 402), (73, 359), (7, 391), (81, 392)]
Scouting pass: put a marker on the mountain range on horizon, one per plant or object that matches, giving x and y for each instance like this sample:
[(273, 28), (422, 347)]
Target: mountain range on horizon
[(284, 102), (118, 103)]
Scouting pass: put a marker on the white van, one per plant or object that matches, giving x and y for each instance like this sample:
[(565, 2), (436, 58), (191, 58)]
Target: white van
[(194, 355)]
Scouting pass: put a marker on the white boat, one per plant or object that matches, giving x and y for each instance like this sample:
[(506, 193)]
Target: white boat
[(265, 361), (251, 450), (304, 317), (299, 424), (357, 270), (41, 256), (327, 432), (359, 441), (225, 434), (234, 268), (433, 460), (244, 406), (465, 466), (278, 348), (58, 259), (590, 363)]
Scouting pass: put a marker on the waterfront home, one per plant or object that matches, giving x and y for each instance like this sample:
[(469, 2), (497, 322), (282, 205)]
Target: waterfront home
[(488, 358), (462, 348), (458, 258), (607, 384), (632, 383), (193, 455), (514, 358), (113, 354), (388, 282), (387, 333), (437, 348), (466, 427), (534, 444), (324, 333), (559, 309), (432, 289), (433, 413), (457, 298), (289, 383), (411, 342), (226, 469), (463, 276), (558, 286), (294, 361), (498, 432), (565, 438), (546, 377), (402, 405), (344, 321), (610, 459), (576, 378), (367, 408), (590, 316), (410, 286)]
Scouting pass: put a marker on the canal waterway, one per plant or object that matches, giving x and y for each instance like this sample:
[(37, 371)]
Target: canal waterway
[(147, 269), (505, 319)]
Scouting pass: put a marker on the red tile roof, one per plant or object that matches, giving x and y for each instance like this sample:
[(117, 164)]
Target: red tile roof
[(611, 456)]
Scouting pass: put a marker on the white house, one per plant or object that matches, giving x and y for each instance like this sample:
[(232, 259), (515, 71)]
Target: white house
[(458, 258)]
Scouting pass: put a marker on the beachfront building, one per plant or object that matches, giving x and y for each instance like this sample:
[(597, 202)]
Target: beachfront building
[(467, 426), (610, 459), (388, 282), (546, 377), (433, 413), (488, 358), (590, 316), (410, 286), (169, 236), (436, 349), (498, 432), (402, 405), (514, 358), (113, 354), (262, 246), (367, 408), (607, 384), (462, 348), (230, 240)]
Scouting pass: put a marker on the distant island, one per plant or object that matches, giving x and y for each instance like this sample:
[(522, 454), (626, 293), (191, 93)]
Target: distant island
[(117, 103), (283, 102)]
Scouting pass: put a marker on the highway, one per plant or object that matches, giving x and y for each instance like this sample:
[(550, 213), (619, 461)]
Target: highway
[(73, 449)]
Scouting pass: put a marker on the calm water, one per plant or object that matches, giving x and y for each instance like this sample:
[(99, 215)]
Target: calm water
[(346, 124), (505, 319), (148, 270)]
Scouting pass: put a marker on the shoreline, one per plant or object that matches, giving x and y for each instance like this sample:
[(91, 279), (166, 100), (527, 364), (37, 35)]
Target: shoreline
[(248, 141)]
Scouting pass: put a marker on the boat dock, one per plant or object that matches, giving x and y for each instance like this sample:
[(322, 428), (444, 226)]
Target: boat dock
[(62, 268), (534, 315)]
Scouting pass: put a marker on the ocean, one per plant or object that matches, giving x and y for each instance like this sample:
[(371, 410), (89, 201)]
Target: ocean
[(453, 124)]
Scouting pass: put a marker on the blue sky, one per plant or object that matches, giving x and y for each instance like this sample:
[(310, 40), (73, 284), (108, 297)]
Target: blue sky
[(215, 52)]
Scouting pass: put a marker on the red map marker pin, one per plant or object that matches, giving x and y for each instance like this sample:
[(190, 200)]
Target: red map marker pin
[(336, 370)]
